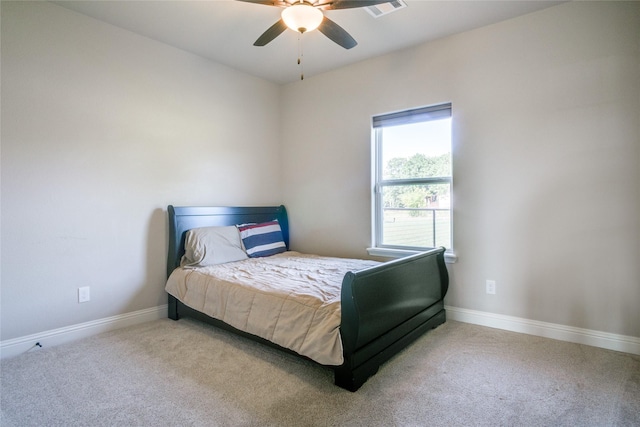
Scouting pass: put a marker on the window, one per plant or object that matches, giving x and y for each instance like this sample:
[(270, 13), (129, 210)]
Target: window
[(413, 176)]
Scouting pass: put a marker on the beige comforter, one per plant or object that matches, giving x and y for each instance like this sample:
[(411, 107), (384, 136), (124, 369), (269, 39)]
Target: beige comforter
[(291, 299)]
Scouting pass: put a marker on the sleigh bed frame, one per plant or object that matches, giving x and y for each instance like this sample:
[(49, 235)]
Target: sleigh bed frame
[(383, 308)]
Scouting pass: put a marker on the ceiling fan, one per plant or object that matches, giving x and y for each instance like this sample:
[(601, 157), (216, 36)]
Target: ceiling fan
[(306, 15)]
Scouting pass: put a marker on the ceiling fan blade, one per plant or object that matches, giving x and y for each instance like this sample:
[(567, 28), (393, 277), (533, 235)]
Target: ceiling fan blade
[(350, 4), (274, 31), (336, 33), (280, 3)]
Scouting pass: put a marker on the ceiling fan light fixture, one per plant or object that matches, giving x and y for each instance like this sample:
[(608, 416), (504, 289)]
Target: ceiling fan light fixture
[(302, 17)]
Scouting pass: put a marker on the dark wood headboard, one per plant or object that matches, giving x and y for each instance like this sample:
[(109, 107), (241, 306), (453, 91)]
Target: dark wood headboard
[(184, 218)]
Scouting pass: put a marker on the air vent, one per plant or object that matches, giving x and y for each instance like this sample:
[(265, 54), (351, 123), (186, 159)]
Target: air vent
[(385, 8)]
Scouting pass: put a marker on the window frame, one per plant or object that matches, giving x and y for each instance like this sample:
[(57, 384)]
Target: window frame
[(416, 115)]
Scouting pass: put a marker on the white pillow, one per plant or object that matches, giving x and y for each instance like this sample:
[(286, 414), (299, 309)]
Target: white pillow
[(212, 245)]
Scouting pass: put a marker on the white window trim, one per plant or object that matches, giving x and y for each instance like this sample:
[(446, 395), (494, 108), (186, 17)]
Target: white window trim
[(450, 256)]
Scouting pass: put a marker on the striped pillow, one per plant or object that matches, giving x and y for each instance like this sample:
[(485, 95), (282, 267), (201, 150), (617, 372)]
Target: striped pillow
[(262, 239)]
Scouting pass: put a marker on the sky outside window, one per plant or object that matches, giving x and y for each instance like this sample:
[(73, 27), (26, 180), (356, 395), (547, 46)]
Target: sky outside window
[(431, 138)]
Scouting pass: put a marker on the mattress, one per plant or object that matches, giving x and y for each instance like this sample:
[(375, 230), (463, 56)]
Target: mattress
[(291, 299)]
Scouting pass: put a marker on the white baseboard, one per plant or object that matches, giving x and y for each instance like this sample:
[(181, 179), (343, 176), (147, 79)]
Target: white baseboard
[(17, 346), (626, 344), (590, 337)]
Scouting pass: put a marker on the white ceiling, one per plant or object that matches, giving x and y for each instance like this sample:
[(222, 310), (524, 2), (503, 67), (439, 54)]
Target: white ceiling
[(224, 30)]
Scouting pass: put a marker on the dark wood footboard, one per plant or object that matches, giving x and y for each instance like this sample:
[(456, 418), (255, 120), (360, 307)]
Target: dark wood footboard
[(384, 308)]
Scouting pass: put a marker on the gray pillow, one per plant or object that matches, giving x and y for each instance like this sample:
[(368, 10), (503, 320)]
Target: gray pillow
[(212, 245)]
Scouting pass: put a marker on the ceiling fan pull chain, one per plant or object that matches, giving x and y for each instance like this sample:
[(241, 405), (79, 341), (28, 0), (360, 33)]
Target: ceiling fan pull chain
[(300, 55)]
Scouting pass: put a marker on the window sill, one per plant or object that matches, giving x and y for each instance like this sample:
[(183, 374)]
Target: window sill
[(449, 257)]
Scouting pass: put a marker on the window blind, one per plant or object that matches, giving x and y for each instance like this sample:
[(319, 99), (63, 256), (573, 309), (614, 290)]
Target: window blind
[(423, 114)]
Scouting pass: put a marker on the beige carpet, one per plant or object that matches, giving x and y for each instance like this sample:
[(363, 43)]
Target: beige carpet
[(184, 373)]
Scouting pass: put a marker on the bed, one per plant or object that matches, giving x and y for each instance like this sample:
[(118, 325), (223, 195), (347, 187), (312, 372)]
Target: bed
[(382, 307)]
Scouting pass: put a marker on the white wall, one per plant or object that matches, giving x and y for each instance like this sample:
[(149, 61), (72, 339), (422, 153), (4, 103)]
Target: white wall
[(101, 130), (546, 152)]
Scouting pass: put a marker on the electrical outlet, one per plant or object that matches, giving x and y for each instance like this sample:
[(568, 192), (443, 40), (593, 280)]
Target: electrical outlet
[(84, 294), (491, 287)]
